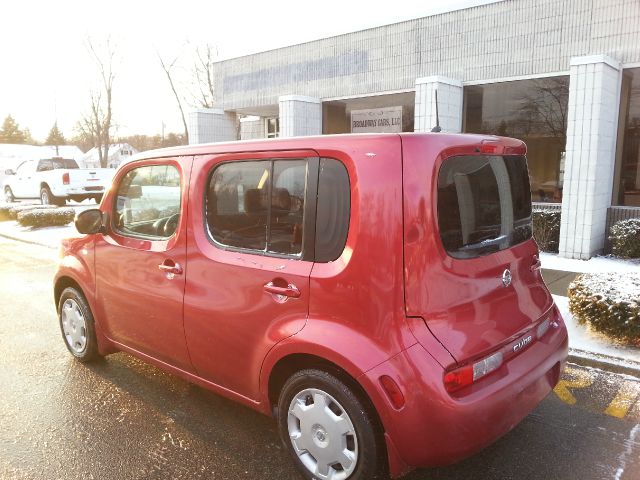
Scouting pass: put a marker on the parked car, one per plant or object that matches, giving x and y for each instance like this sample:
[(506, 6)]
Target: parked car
[(380, 295), (56, 180)]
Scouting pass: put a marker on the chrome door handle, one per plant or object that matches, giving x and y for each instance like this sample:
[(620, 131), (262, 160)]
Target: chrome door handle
[(289, 291), (169, 266)]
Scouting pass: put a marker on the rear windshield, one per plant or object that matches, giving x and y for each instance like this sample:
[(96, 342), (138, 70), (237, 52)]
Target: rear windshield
[(484, 204), (64, 163)]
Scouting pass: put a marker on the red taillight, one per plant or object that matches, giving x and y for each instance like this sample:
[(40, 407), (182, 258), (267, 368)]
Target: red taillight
[(457, 379), (465, 376), (65, 178), (392, 390)]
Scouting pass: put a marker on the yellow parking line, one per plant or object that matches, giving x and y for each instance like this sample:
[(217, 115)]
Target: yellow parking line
[(623, 401), (581, 379)]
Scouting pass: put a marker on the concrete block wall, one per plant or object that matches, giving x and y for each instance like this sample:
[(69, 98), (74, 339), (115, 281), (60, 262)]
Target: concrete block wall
[(594, 100), (449, 104), (300, 116), (503, 39), (209, 125), (252, 128)]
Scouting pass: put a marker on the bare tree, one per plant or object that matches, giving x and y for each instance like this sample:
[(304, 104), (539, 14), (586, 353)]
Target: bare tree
[(167, 67), (96, 124), (204, 75)]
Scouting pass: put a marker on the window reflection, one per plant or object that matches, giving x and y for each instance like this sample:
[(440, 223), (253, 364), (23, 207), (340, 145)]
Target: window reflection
[(627, 190), (534, 111)]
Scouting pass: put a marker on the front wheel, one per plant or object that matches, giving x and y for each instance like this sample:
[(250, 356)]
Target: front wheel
[(327, 429), (77, 325)]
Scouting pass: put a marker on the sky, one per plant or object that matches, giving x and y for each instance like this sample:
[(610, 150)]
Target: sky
[(47, 73)]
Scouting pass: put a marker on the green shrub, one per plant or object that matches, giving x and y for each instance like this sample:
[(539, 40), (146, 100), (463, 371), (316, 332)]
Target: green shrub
[(5, 213), (546, 229), (609, 303), (16, 209), (40, 217), (625, 238)]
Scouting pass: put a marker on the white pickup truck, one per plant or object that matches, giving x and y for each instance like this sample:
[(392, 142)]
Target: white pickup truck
[(56, 180)]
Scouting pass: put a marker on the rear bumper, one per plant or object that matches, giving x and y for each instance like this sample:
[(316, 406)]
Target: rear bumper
[(435, 428), (83, 190)]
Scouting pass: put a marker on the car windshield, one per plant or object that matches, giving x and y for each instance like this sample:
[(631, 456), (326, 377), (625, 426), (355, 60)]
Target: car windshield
[(64, 163), (484, 204)]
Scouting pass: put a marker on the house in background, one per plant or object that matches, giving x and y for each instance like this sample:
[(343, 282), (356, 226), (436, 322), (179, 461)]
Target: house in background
[(118, 153)]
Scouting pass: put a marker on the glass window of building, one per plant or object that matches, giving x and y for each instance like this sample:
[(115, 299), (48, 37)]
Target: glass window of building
[(534, 111), (273, 127), (391, 113), (627, 175)]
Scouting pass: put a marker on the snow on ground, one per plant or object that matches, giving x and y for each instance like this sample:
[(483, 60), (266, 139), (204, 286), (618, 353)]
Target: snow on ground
[(581, 337), (47, 236), (552, 261)]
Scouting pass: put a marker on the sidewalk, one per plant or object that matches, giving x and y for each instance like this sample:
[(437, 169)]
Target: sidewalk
[(47, 237), (587, 347)]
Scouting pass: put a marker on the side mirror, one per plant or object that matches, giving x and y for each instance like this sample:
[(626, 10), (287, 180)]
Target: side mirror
[(90, 221), (9, 171)]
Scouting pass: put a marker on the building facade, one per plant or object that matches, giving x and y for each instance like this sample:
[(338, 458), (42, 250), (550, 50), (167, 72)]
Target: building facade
[(562, 75)]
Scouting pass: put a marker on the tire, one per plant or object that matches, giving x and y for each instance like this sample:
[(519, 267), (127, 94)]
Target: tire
[(77, 325), (8, 195), (340, 442), (48, 198)]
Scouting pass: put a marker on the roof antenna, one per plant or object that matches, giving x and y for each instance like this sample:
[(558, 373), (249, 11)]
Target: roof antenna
[(437, 127)]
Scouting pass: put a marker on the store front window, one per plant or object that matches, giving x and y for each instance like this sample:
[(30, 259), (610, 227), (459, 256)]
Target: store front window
[(534, 111), (627, 183), (391, 113)]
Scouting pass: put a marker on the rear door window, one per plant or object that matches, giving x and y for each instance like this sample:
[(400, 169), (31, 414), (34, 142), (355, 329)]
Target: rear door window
[(259, 205), (484, 204)]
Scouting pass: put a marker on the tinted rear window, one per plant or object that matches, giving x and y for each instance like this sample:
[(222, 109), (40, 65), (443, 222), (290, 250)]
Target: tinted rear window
[(484, 204)]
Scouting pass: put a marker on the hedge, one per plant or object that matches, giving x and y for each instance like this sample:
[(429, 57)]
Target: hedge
[(46, 217), (546, 229), (609, 303), (625, 238), (10, 212)]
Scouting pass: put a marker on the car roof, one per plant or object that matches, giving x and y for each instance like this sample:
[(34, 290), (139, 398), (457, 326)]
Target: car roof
[(338, 142)]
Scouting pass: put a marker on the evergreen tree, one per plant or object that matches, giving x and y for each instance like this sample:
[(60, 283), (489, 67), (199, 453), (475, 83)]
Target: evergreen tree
[(55, 136), (10, 132)]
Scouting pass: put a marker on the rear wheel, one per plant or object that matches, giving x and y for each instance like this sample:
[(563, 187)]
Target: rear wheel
[(327, 429), (77, 325), (8, 195), (47, 198)]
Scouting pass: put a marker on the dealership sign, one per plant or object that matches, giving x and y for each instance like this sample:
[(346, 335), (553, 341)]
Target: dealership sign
[(377, 120)]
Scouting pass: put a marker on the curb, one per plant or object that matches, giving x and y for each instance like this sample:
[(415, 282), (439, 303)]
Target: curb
[(604, 362), (31, 242)]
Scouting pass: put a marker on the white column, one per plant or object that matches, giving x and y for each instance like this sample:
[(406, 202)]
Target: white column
[(212, 125), (594, 102), (300, 116), (252, 128), (449, 104)]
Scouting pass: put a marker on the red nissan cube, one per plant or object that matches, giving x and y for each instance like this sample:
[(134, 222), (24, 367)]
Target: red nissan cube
[(380, 295)]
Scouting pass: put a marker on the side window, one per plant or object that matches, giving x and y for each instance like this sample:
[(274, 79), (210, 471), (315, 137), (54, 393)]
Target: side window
[(148, 202), (258, 205), (45, 165), (333, 210)]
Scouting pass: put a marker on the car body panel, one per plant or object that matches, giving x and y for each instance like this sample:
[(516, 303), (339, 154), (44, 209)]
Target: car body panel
[(128, 278)]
